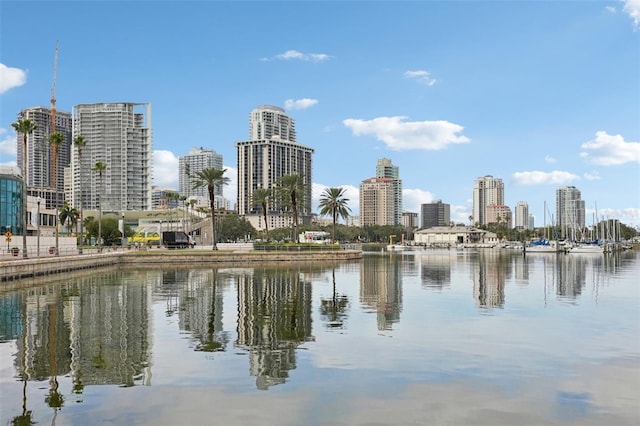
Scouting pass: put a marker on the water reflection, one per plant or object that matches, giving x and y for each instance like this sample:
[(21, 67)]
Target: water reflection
[(99, 330), (381, 287)]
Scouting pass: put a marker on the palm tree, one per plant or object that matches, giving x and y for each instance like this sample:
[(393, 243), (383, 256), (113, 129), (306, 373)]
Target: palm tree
[(262, 196), (211, 178), (332, 201), (172, 196), (24, 127), (55, 140), (80, 142), (100, 167), (68, 216), (292, 189)]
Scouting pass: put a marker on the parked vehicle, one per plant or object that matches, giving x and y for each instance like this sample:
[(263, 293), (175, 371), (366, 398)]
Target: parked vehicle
[(175, 239)]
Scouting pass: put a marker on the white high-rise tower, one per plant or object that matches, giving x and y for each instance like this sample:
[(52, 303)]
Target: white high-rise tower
[(119, 135)]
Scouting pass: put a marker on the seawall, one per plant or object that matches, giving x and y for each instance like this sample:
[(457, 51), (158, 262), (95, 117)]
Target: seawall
[(26, 268)]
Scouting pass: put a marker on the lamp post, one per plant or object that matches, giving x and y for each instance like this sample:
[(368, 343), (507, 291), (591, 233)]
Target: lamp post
[(38, 225), (57, 230), (122, 231)]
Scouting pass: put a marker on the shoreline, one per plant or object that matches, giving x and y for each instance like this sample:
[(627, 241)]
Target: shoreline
[(17, 269)]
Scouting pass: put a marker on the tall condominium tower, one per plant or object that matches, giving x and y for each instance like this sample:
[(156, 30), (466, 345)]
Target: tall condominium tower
[(377, 197), (435, 214), (271, 152), (381, 196), (197, 160), (486, 191), (120, 136), (570, 211), (522, 215), (39, 151)]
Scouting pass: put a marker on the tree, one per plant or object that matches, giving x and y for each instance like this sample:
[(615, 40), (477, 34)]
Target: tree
[(233, 227), (109, 230), (80, 142), (211, 178), (333, 202), (24, 127), (100, 167), (262, 196), (55, 140), (68, 216), (292, 189)]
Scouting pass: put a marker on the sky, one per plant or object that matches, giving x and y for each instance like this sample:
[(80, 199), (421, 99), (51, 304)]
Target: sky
[(541, 94)]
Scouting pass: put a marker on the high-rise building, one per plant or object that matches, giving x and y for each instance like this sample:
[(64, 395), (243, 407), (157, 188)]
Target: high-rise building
[(486, 191), (570, 211), (522, 215), (500, 215), (197, 160), (381, 196), (377, 197), (39, 150), (435, 214), (272, 152), (120, 136)]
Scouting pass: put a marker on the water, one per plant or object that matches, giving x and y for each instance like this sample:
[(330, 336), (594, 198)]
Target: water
[(434, 337)]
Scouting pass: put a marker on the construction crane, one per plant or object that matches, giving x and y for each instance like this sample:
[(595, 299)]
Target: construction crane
[(53, 148), (53, 90)]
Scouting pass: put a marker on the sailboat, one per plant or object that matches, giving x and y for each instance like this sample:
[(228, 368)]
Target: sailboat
[(543, 245)]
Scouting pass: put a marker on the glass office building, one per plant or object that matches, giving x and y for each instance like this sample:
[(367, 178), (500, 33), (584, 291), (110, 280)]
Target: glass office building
[(11, 209)]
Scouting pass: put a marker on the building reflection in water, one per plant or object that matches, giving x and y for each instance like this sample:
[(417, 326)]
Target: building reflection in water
[(435, 269), (274, 318), (489, 275), (381, 287)]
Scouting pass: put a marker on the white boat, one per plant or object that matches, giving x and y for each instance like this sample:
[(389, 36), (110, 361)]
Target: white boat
[(587, 248), (395, 247), (542, 246)]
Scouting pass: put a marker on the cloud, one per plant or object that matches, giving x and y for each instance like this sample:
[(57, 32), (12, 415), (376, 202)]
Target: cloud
[(7, 142), (550, 159), (632, 7), (303, 103), (421, 76), (294, 54), (401, 135), (351, 193), (11, 77), (412, 199), (165, 169), (230, 190), (544, 178), (591, 176), (610, 9), (628, 215), (609, 150)]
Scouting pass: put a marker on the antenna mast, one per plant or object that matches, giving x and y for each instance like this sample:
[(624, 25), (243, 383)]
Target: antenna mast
[(53, 90)]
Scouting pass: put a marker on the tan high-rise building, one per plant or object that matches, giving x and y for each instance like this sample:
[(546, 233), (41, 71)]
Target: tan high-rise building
[(486, 191)]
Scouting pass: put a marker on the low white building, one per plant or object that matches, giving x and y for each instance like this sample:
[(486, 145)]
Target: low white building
[(454, 235)]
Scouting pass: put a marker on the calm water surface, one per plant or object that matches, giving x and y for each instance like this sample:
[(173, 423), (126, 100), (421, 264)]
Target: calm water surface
[(431, 337)]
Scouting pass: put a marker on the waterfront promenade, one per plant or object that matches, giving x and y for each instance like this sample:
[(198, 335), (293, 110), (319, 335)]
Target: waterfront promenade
[(15, 267)]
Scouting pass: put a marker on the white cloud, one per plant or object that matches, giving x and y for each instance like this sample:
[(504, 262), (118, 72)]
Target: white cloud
[(165, 169), (11, 77), (628, 215), (303, 103), (230, 190), (609, 150), (610, 9), (632, 7), (294, 54), (401, 135), (591, 175), (351, 193), (7, 142), (412, 199), (421, 76), (544, 178), (549, 159)]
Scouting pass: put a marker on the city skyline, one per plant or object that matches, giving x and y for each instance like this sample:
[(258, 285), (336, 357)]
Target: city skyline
[(540, 95)]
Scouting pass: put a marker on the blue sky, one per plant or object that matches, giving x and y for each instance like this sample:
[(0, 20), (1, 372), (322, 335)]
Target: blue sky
[(539, 94)]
